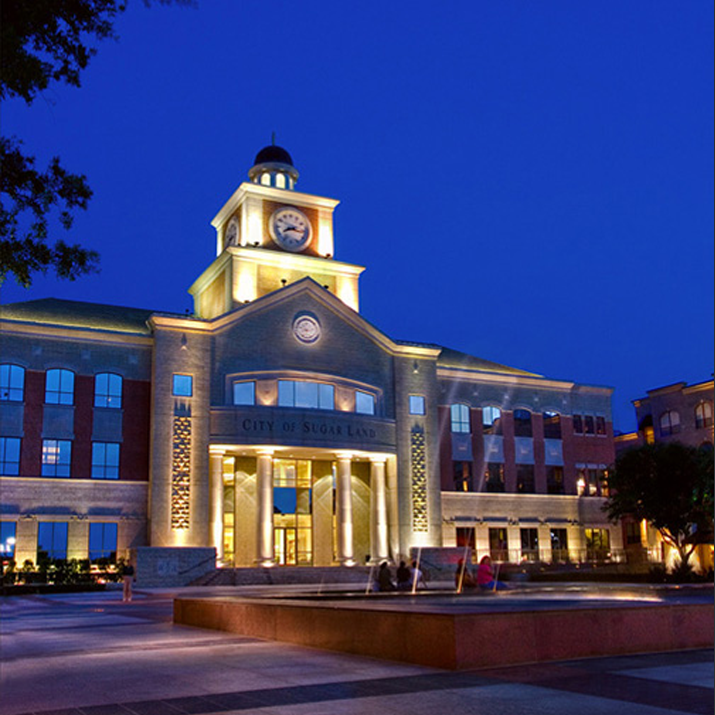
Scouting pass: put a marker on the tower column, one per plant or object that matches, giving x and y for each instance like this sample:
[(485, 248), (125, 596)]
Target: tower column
[(344, 510), (379, 549), (264, 544), (216, 500)]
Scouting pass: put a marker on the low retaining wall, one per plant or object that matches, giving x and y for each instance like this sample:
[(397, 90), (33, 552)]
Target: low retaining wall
[(459, 640)]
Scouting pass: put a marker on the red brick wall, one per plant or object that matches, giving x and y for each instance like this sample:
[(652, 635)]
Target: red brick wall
[(134, 460), (82, 444), (31, 450)]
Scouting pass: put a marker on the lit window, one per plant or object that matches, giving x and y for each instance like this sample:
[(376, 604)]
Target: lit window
[(417, 405), (522, 423), (669, 423), (9, 456), (307, 395), (280, 181), (462, 476), (491, 420), (364, 403), (529, 544), (559, 545), (56, 457), (52, 540), (12, 383), (105, 460), (59, 387), (460, 418), (102, 542), (7, 538), (108, 390), (552, 425), (703, 415), (244, 393), (182, 385)]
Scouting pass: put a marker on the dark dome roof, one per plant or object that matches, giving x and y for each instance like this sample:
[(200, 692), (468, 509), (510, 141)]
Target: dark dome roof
[(273, 154)]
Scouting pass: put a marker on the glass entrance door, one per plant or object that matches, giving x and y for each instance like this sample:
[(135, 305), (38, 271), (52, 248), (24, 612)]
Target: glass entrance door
[(285, 545)]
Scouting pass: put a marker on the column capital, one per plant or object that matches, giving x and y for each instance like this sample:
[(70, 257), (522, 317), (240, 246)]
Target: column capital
[(344, 455), (265, 452), (216, 451)]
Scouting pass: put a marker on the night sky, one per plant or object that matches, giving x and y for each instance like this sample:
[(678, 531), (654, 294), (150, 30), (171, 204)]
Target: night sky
[(531, 183)]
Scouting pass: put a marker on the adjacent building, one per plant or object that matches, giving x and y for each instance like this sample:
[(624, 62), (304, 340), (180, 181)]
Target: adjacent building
[(277, 426)]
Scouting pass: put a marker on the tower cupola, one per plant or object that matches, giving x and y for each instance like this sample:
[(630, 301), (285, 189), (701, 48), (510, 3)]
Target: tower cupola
[(273, 166)]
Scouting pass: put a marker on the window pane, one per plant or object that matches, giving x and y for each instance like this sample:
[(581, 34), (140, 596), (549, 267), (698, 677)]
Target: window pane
[(12, 382), (460, 418), (417, 405), (182, 385), (105, 460), (600, 425), (578, 424), (59, 387), (7, 538), (286, 393), (552, 425), (326, 397), (306, 394), (588, 425), (364, 403), (56, 457), (244, 393), (102, 541), (9, 456), (52, 539), (522, 423)]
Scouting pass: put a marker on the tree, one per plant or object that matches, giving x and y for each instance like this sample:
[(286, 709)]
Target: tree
[(45, 41), (669, 485)]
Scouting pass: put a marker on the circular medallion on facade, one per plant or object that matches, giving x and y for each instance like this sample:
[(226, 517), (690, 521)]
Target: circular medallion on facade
[(306, 328)]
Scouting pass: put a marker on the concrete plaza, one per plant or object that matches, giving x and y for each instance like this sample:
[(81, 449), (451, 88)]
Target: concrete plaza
[(89, 654)]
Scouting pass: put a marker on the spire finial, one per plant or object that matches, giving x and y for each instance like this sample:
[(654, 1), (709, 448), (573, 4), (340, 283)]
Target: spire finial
[(273, 138)]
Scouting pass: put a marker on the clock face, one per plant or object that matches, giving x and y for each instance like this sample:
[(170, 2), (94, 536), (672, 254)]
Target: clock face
[(290, 229)]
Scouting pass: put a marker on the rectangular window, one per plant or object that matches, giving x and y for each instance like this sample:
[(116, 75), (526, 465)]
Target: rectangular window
[(182, 385), (491, 420), (7, 539), (525, 483), (56, 457), (578, 424), (598, 544), (559, 545), (633, 532), (12, 383), (103, 542), (244, 393), (529, 544), (364, 403), (105, 460), (460, 418), (555, 480), (52, 540), (462, 476), (9, 456), (522, 423), (589, 426), (494, 477), (498, 545), (601, 425), (306, 395), (465, 537), (552, 425), (417, 405), (108, 390)]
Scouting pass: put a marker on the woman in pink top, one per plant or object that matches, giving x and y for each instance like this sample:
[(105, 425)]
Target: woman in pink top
[(485, 576)]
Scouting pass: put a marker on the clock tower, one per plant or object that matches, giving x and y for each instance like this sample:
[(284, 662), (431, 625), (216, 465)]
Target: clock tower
[(269, 235)]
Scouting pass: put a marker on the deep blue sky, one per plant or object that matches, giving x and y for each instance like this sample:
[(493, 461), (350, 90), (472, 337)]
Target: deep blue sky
[(528, 182)]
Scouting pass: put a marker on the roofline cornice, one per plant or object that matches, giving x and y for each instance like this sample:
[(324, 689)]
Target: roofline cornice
[(50, 330)]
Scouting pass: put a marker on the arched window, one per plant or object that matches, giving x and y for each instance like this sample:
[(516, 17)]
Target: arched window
[(552, 425), (108, 390), (522, 423), (59, 387), (704, 415), (669, 423), (491, 420), (460, 418), (12, 383)]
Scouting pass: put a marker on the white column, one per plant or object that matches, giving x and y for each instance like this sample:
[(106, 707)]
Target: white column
[(265, 548), (379, 549), (216, 500), (344, 510)]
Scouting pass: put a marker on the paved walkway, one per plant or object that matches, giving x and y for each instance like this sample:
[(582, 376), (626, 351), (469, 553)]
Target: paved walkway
[(89, 654)]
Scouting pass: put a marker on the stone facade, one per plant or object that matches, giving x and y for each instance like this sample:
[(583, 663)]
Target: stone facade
[(276, 426)]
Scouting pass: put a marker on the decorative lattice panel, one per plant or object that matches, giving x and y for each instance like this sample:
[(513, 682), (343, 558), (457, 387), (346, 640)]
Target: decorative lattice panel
[(181, 473), (419, 480)]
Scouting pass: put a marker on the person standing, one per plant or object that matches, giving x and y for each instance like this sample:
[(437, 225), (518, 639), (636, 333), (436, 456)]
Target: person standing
[(128, 579)]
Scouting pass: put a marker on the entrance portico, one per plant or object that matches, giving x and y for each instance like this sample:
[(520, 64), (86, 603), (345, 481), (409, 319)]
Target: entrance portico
[(282, 505)]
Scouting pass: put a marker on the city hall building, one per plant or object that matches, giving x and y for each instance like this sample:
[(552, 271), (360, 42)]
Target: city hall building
[(278, 426)]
